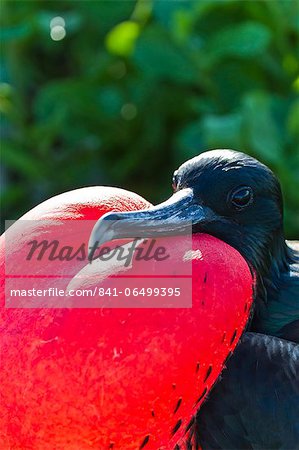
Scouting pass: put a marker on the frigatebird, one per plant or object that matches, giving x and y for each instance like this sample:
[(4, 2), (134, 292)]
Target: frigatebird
[(237, 199)]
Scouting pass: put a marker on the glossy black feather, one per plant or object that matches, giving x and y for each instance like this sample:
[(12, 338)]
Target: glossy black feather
[(256, 404), (256, 231), (280, 317)]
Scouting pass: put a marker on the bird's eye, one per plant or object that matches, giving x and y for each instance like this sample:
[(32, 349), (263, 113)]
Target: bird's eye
[(241, 197), (175, 180)]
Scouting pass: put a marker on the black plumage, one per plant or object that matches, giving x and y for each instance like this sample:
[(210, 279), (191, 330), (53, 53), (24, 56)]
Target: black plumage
[(256, 403), (254, 229), (234, 197)]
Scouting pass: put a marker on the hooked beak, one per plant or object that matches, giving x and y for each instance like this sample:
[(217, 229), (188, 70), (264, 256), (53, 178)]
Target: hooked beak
[(175, 216)]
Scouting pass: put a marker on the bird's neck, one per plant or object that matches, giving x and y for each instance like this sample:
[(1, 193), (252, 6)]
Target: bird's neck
[(270, 283), (279, 259)]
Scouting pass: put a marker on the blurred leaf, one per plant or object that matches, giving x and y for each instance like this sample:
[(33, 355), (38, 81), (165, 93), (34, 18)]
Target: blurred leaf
[(245, 40), (142, 11), (260, 128), (223, 131), (165, 10), (190, 140), (57, 99), (233, 79), (293, 119), (160, 58), (6, 92), (105, 14), (296, 84), (121, 39), (111, 100), (13, 195), (291, 64), (285, 13), (20, 159), (17, 32)]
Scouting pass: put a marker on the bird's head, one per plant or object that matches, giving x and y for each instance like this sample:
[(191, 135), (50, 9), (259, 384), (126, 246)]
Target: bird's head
[(241, 203), (225, 193)]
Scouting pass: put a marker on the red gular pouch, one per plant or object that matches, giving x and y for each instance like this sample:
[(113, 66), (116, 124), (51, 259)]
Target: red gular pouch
[(170, 349), (123, 375), (49, 243)]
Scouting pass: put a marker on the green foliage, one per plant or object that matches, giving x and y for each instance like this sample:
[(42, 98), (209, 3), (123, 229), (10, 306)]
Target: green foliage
[(121, 39), (137, 87)]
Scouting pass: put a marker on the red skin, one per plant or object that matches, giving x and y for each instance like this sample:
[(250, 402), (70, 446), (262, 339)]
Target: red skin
[(79, 379)]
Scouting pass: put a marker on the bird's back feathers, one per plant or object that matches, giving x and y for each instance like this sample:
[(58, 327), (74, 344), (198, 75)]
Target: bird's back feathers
[(280, 316), (259, 392)]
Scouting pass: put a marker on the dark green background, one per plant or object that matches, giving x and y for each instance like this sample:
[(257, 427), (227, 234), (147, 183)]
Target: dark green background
[(136, 88)]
